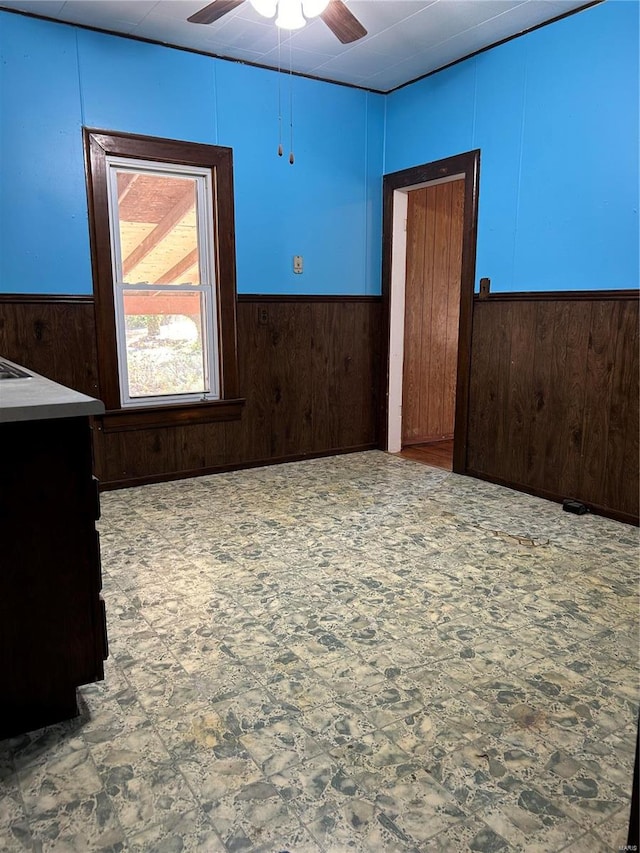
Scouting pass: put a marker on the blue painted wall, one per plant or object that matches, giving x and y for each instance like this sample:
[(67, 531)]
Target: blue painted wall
[(555, 114), (57, 78)]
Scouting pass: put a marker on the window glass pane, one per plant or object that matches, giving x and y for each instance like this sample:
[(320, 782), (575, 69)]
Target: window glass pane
[(165, 353), (158, 228)]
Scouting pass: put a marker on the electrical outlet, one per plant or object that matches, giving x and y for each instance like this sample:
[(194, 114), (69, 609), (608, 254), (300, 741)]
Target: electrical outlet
[(263, 316), (297, 264)]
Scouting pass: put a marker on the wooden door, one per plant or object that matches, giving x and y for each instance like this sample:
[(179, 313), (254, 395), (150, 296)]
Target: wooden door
[(432, 311)]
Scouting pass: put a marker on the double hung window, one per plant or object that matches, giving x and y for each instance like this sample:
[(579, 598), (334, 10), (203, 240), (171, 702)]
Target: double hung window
[(161, 215), (161, 229)]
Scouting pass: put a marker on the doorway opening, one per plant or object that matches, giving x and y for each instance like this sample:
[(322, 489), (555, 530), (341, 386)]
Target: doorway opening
[(429, 248)]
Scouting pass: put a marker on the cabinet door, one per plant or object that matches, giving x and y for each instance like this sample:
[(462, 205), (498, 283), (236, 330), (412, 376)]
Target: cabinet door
[(51, 619)]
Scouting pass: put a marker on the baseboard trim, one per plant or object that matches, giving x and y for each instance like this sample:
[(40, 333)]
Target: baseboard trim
[(616, 515), (236, 466)]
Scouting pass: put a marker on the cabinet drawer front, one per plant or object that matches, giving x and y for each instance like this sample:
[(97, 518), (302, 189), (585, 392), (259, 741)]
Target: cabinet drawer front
[(96, 497), (98, 562), (103, 628)]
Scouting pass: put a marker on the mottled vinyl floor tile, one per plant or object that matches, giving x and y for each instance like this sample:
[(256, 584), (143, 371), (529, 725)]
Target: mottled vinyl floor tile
[(253, 710), (608, 756), (299, 687), (187, 832), (134, 750), (108, 721), (279, 745), (591, 842), (614, 830), (146, 661), (41, 746), (89, 823), (50, 788), (256, 818), (529, 822), (470, 834), (313, 783), (419, 806), (336, 723), (16, 837), (143, 800), (338, 813), (344, 672), (357, 653), (15, 830)]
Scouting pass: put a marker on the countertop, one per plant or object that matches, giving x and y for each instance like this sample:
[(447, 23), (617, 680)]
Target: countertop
[(37, 398)]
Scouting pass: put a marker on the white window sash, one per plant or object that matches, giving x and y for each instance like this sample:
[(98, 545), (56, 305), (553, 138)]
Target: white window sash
[(206, 259)]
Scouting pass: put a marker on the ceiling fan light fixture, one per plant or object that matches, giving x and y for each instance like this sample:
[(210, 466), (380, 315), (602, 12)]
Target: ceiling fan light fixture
[(290, 15), (266, 8), (313, 8)]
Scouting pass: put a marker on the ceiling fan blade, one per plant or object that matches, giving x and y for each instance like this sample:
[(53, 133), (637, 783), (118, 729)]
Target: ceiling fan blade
[(213, 11), (342, 23)]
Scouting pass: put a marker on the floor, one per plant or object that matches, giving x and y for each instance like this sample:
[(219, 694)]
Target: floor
[(439, 454), (358, 653)]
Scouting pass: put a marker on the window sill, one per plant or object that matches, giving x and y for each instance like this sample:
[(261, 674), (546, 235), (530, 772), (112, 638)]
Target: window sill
[(122, 420)]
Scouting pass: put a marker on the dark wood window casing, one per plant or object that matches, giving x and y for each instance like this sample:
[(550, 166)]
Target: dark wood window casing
[(98, 145)]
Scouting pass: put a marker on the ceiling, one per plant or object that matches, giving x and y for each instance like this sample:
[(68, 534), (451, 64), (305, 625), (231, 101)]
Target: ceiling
[(406, 38)]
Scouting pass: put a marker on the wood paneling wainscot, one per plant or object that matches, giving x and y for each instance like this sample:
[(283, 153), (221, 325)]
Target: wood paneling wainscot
[(309, 370), (54, 336), (554, 396), (553, 393), (309, 373)]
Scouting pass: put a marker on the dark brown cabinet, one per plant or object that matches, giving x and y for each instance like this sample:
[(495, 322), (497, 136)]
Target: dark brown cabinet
[(52, 618)]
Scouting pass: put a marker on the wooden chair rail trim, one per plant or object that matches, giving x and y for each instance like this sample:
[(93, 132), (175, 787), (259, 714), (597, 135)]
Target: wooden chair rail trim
[(45, 298), (303, 297), (558, 296)]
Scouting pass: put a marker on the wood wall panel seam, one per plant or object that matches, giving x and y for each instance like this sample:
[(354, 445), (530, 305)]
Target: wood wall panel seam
[(621, 405)]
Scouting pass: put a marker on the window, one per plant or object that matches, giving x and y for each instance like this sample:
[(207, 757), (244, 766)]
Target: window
[(162, 268), (163, 252)]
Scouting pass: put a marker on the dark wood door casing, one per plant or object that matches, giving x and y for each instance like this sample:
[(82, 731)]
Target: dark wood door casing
[(467, 164)]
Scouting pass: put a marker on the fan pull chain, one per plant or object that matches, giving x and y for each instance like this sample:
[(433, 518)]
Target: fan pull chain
[(291, 157), (280, 149)]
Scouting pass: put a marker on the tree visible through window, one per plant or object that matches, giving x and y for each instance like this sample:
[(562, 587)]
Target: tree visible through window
[(164, 269)]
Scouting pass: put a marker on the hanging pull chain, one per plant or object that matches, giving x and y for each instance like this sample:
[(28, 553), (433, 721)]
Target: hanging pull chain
[(280, 149), (291, 157)]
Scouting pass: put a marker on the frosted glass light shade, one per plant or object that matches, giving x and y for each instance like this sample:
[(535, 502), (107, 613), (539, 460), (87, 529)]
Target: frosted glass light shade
[(313, 8), (290, 15), (267, 8)]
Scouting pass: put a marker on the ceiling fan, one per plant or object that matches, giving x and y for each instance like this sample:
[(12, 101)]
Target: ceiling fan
[(291, 15)]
